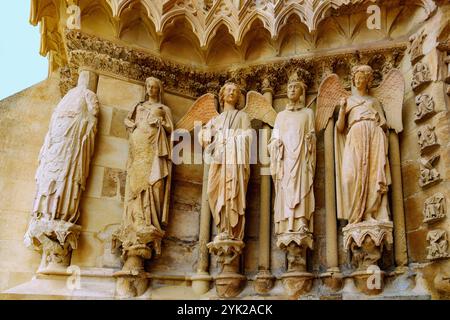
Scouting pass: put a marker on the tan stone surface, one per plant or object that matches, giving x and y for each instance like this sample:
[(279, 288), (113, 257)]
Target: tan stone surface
[(24, 120), (417, 244), (118, 93)]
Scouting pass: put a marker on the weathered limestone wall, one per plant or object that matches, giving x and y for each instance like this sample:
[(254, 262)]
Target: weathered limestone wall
[(414, 195), (24, 119)]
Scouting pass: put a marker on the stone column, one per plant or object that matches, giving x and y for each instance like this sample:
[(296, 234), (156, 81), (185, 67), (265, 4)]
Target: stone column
[(201, 281), (400, 249), (264, 281), (332, 278)]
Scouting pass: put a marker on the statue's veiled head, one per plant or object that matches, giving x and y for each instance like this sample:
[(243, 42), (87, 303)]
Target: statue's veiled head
[(362, 77), (83, 79), (154, 89)]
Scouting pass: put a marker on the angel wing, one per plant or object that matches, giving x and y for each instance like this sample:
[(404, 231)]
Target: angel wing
[(259, 108), (391, 94), (203, 110), (331, 92)]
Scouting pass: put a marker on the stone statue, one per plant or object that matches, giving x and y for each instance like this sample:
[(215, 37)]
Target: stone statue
[(61, 176), (361, 151), (227, 138), (147, 188), (292, 150)]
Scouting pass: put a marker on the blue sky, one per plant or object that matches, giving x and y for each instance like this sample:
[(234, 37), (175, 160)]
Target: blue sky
[(21, 66)]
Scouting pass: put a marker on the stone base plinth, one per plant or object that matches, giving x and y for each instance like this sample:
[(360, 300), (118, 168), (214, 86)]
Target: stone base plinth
[(297, 283), (333, 280), (264, 282)]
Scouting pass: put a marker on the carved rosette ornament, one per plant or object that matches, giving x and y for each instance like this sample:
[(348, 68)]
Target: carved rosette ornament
[(61, 177)]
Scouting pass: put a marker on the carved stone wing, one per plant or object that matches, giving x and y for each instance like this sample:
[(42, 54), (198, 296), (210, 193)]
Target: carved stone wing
[(391, 94), (331, 92), (203, 110), (259, 108)]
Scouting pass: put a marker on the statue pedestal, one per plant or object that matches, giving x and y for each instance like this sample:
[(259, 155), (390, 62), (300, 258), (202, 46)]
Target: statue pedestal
[(296, 280), (369, 283), (297, 283), (264, 282), (57, 239), (332, 279), (133, 280), (229, 283), (366, 241)]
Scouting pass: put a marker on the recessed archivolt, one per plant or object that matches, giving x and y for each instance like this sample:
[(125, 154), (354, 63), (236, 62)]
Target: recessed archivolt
[(222, 48), (179, 34), (89, 10), (135, 15), (285, 15), (248, 21), (257, 42), (293, 33)]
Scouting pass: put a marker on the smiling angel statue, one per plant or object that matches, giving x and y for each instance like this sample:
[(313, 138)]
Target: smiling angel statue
[(363, 173)]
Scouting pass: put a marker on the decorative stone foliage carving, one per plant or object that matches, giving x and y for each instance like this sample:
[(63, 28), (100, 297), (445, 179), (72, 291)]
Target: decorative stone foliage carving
[(428, 174), (61, 177), (435, 208), (105, 56), (437, 245), (427, 138), (416, 49), (425, 107), (421, 75)]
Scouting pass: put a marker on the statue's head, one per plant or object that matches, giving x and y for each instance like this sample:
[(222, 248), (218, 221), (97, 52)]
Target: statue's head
[(296, 89), (230, 93), (83, 79), (154, 89), (362, 77)]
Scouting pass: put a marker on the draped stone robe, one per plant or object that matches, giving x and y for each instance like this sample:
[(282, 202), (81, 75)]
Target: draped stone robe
[(65, 157), (64, 161), (362, 166), (229, 171), (293, 161), (148, 171)]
